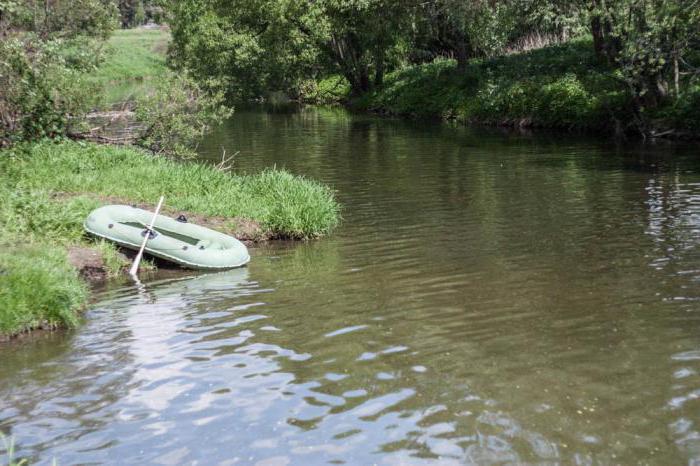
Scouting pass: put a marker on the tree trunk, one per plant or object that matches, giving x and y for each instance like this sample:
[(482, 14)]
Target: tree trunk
[(676, 76), (462, 54), (379, 69), (606, 46), (598, 40)]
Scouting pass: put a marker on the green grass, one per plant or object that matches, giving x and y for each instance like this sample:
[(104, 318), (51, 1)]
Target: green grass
[(135, 60), (38, 288), (288, 206), (134, 54)]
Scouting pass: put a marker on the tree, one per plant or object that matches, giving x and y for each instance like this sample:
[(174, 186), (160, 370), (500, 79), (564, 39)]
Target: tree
[(273, 44), (647, 41)]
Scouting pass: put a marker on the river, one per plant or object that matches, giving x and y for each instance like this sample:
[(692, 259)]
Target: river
[(490, 298)]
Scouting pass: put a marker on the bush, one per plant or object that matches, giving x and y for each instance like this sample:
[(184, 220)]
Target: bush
[(42, 95), (329, 90), (177, 114)]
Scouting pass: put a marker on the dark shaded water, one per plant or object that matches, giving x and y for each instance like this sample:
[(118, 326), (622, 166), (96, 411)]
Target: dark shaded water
[(489, 299)]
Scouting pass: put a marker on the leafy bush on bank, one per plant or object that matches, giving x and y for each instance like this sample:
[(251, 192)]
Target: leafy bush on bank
[(177, 114), (44, 89)]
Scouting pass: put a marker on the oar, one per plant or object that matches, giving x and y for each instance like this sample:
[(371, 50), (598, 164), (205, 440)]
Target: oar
[(135, 266)]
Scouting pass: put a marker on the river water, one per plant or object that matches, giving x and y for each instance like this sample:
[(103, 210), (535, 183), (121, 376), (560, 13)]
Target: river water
[(490, 298)]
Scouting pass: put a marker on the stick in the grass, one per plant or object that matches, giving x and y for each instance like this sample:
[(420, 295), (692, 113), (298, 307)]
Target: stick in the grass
[(135, 266)]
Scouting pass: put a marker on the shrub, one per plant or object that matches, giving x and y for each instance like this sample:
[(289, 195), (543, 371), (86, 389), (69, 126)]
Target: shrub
[(329, 90), (177, 114), (42, 95)]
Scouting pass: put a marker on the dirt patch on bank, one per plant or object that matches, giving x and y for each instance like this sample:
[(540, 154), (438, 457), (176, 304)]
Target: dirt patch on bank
[(89, 263)]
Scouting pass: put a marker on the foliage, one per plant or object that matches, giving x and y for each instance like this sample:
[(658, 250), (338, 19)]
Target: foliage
[(44, 53), (252, 48), (274, 45), (134, 13), (329, 90), (560, 86), (650, 43), (177, 114), (59, 18), (649, 47), (44, 89)]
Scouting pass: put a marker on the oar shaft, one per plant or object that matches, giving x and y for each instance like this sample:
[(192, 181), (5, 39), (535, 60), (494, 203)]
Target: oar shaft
[(135, 266)]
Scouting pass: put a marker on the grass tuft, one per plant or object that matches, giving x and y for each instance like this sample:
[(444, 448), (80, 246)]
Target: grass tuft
[(38, 288)]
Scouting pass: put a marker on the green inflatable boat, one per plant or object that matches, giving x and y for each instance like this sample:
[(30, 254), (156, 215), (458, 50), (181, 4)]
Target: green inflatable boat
[(175, 240)]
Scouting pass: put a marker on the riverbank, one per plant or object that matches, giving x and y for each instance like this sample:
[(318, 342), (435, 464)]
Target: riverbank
[(561, 86), (49, 188)]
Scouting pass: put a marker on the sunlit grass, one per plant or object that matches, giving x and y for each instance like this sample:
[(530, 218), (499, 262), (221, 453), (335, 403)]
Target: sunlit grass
[(134, 54), (285, 205), (38, 288), (48, 189)]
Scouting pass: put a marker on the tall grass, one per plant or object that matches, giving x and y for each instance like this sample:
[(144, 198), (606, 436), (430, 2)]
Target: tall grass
[(38, 288), (9, 447), (286, 205)]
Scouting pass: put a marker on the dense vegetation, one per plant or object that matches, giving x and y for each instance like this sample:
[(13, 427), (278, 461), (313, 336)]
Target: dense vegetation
[(633, 63)]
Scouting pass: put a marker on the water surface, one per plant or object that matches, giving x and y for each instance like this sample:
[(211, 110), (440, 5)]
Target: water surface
[(490, 298)]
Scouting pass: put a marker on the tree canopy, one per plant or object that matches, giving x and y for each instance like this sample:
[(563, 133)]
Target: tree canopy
[(269, 45)]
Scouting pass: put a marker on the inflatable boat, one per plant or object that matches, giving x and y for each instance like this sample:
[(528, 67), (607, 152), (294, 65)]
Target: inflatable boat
[(175, 240)]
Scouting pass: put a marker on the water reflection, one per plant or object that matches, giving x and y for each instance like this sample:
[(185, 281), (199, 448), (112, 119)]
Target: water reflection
[(488, 300)]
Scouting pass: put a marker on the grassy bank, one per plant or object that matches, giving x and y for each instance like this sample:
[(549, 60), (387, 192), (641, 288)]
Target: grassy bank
[(48, 189), (561, 86), (134, 62), (133, 54)]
